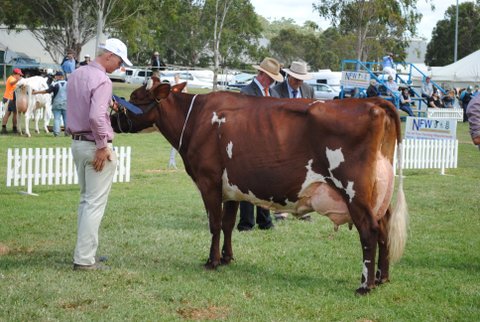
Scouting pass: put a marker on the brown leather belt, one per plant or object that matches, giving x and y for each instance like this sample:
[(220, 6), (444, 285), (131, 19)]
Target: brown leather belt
[(81, 137)]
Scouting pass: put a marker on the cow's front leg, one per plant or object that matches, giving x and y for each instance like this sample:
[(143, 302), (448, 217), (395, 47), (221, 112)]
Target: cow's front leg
[(228, 223)]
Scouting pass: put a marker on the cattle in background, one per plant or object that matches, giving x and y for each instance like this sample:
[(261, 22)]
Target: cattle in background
[(33, 106), (297, 156)]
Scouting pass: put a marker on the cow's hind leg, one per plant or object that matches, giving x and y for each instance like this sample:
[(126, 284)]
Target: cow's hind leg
[(228, 223), (213, 205), (382, 275), (368, 229)]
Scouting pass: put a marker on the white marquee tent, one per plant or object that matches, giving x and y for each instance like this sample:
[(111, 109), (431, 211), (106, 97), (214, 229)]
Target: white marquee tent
[(465, 71)]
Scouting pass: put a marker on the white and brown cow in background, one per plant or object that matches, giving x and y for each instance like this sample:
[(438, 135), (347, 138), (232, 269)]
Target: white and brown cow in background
[(33, 106)]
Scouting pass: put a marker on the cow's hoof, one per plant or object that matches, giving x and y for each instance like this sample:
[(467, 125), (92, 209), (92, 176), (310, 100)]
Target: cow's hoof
[(211, 265), (382, 281), (225, 260), (362, 291)]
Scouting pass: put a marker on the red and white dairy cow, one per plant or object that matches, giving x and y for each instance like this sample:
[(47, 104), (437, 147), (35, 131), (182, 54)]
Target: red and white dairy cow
[(293, 155), (33, 106)]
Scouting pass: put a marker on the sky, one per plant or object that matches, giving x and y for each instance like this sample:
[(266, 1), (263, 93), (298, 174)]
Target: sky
[(301, 10)]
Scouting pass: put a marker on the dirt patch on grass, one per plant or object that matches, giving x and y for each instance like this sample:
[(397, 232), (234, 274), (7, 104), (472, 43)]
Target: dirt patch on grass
[(4, 249), (209, 313)]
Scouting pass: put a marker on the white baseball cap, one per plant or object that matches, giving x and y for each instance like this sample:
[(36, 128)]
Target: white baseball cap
[(117, 47)]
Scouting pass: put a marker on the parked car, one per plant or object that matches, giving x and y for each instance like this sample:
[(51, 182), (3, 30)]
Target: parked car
[(137, 76), (324, 91), (29, 66), (118, 75), (185, 76), (240, 80)]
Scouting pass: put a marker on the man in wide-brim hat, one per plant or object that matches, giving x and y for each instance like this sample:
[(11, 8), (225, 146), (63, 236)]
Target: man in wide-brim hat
[(294, 86), (267, 73)]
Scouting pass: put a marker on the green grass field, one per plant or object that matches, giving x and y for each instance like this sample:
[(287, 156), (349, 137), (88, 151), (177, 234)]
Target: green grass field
[(155, 232)]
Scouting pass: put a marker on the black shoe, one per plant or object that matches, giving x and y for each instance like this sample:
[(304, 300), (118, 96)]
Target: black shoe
[(93, 267), (241, 228), (271, 226), (4, 130), (14, 130)]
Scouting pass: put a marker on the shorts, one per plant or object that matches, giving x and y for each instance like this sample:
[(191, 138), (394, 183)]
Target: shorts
[(12, 106)]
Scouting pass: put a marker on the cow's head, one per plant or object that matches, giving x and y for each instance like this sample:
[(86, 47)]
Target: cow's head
[(148, 101)]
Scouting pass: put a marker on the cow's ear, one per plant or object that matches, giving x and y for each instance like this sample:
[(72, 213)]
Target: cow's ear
[(161, 91), (178, 88)]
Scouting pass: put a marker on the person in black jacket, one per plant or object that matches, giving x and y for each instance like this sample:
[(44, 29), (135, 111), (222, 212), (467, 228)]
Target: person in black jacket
[(156, 62), (372, 89), (268, 73)]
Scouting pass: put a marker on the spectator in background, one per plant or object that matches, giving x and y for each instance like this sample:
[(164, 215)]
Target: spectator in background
[(173, 152), (473, 114), (388, 65), (69, 63), (435, 101), (427, 88), (450, 99), (86, 60), (465, 98), (372, 89), (406, 101), (392, 87), (156, 62), (9, 100), (476, 91), (294, 87), (59, 102), (267, 73)]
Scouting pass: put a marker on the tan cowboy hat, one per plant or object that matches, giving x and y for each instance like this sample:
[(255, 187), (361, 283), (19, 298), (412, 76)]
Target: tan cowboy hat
[(271, 67), (298, 70)]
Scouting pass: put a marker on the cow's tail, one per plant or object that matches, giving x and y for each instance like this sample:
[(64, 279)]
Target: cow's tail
[(398, 224)]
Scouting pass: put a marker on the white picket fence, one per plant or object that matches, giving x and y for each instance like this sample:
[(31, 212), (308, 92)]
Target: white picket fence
[(429, 154), (54, 166), (445, 113)]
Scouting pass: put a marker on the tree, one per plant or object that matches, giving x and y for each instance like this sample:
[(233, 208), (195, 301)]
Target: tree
[(440, 50), (387, 21), (62, 24)]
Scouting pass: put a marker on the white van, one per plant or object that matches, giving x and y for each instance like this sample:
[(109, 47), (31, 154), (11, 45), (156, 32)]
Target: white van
[(326, 76), (137, 76), (189, 76)]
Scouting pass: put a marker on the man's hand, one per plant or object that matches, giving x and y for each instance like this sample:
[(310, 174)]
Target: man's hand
[(101, 156), (476, 140)]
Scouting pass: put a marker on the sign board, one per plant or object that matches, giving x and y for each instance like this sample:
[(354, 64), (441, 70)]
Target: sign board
[(355, 79), (428, 128)]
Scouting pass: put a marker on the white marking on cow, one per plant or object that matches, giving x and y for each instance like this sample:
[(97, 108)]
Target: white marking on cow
[(335, 158), (229, 149), (365, 274), (232, 192), (315, 102), (216, 119)]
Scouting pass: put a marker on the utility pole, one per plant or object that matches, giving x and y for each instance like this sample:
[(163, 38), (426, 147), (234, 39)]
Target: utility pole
[(456, 36)]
